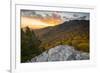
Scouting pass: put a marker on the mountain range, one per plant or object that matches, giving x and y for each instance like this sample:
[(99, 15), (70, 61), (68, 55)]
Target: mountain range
[(73, 32)]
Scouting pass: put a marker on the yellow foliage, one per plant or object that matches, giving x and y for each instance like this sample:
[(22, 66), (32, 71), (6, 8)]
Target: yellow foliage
[(83, 47)]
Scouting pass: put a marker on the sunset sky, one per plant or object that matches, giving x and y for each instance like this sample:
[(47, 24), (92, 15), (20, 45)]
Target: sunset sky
[(41, 19)]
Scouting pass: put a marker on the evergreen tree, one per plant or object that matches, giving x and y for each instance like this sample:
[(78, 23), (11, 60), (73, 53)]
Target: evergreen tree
[(29, 44)]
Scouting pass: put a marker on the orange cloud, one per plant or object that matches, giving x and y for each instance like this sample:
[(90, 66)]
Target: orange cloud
[(37, 23)]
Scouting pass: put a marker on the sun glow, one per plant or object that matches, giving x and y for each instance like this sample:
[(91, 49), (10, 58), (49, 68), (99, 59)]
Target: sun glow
[(38, 23)]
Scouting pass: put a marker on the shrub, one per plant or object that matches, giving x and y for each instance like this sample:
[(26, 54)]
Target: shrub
[(83, 47)]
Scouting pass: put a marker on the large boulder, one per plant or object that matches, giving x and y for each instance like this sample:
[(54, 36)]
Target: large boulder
[(61, 53)]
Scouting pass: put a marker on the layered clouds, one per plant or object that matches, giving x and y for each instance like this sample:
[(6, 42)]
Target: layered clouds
[(40, 19), (56, 14)]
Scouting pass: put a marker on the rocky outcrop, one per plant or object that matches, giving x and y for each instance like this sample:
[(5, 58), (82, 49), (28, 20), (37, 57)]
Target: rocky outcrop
[(61, 53)]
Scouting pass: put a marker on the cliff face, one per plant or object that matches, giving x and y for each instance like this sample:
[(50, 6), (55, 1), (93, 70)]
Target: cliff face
[(61, 53)]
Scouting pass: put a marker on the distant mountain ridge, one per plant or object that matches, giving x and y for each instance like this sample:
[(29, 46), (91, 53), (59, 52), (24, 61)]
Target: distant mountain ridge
[(65, 33), (80, 25)]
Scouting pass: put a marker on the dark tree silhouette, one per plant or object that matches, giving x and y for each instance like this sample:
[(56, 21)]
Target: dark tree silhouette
[(29, 44)]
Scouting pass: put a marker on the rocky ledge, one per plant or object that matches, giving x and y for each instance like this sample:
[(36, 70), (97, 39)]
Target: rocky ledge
[(61, 53)]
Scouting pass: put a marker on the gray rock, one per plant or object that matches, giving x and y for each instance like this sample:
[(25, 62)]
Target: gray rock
[(61, 53), (43, 57)]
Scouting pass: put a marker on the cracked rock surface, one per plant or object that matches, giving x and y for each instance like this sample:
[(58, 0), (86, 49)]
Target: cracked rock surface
[(61, 53)]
